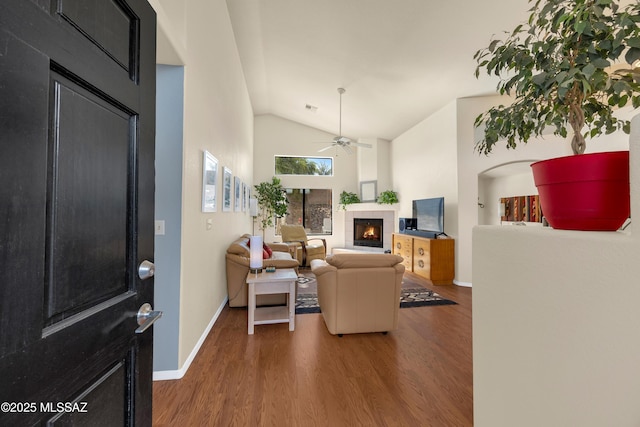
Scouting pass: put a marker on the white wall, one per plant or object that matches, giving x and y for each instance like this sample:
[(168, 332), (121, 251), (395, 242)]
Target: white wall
[(424, 165), (492, 188), (437, 158), (218, 118), (374, 164), (555, 323), (277, 136)]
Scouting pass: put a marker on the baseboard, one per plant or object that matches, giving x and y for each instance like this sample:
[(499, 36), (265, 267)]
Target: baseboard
[(177, 374), (465, 284)]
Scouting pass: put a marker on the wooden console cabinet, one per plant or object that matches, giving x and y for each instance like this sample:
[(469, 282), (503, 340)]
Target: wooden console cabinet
[(433, 259)]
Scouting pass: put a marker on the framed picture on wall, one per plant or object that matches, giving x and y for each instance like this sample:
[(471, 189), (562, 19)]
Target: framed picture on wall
[(226, 190), (245, 197), (368, 191), (209, 182), (237, 201)]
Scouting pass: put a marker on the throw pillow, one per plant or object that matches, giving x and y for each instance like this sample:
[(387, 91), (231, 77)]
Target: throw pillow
[(268, 250)]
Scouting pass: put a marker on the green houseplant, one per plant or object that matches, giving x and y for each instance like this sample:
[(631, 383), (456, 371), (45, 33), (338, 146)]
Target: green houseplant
[(562, 68), (348, 198), (272, 202), (388, 197)]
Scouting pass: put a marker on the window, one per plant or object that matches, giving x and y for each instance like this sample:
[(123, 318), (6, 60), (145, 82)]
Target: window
[(310, 208), (293, 165)]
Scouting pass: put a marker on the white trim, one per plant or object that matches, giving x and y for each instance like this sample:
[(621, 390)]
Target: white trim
[(465, 284), (177, 374)]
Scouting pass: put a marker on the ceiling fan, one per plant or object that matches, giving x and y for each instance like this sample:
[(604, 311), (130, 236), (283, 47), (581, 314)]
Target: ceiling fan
[(343, 141)]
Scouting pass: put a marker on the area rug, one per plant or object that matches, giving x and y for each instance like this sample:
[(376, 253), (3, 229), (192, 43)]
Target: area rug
[(417, 297), (303, 280)]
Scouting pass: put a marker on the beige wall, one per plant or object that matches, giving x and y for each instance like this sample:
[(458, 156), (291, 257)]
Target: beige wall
[(555, 323), (471, 165), (437, 158), (491, 189), (424, 165), (374, 164), (217, 117), (277, 136)]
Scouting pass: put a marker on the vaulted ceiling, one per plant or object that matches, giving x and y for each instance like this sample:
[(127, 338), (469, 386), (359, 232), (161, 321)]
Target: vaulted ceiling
[(399, 60)]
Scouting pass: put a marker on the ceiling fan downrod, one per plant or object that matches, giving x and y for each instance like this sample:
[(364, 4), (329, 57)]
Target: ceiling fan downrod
[(340, 91)]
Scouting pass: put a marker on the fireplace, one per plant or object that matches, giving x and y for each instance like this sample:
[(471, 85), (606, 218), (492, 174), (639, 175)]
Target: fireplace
[(368, 232)]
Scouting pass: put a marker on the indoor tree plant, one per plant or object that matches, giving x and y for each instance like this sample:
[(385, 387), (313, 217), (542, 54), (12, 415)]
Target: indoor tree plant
[(562, 69), (272, 202)]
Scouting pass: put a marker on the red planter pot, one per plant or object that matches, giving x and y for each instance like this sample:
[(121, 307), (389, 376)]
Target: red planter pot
[(584, 192)]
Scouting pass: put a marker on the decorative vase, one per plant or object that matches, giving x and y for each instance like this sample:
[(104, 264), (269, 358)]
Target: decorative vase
[(584, 192)]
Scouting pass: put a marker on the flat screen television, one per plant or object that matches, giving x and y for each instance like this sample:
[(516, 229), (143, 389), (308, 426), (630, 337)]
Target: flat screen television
[(430, 214)]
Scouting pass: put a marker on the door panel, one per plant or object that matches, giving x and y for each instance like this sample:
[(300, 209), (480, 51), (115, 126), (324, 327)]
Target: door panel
[(77, 113), (104, 396), (108, 24), (89, 194)]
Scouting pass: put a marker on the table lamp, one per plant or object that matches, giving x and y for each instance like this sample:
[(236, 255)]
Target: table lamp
[(255, 254)]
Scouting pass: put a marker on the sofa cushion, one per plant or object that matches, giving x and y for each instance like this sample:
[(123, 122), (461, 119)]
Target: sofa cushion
[(240, 247), (363, 260), (281, 256)]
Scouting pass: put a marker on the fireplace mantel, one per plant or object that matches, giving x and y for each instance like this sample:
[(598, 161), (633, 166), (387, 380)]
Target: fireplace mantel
[(356, 207)]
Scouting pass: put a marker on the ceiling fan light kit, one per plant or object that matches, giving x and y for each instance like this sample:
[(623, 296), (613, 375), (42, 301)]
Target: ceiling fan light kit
[(343, 141)]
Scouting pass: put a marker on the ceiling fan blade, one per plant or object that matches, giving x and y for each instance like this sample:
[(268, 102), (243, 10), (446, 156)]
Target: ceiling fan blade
[(361, 144), (325, 148), (347, 148)]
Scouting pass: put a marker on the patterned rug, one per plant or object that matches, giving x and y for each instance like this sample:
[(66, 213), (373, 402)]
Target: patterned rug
[(303, 280), (417, 297)]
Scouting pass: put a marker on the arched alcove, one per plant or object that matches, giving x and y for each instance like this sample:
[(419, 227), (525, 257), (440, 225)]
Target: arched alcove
[(505, 180)]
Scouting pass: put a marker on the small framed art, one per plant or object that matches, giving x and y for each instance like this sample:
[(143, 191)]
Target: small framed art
[(226, 190), (209, 182), (237, 201)]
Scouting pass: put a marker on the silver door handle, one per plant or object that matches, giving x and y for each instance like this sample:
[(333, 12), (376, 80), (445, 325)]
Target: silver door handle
[(146, 317), (146, 269)]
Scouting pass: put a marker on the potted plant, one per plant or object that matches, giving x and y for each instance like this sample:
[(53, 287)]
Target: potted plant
[(388, 197), (272, 202), (563, 68), (347, 198)]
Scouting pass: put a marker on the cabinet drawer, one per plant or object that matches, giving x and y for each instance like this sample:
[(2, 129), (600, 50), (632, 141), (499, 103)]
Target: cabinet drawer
[(403, 246), (422, 258)]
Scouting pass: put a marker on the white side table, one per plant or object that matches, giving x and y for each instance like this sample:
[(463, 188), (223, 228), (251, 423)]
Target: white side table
[(282, 281)]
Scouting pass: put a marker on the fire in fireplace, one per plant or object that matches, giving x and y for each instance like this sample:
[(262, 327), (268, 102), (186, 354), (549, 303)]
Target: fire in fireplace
[(367, 232)]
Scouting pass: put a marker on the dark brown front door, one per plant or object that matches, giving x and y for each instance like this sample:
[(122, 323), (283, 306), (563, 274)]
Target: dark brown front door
[(77, 120)]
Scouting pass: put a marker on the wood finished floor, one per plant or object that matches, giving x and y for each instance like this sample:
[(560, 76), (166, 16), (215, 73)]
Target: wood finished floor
[(417, 375)]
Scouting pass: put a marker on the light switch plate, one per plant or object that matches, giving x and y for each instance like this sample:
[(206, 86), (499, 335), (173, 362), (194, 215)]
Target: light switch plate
[(159, 227)]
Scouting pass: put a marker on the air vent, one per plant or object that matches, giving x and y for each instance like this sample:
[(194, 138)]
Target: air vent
[(311, 108)]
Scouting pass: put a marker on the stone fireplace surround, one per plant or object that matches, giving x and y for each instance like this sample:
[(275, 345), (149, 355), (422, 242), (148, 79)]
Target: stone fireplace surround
[(389, 221)]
